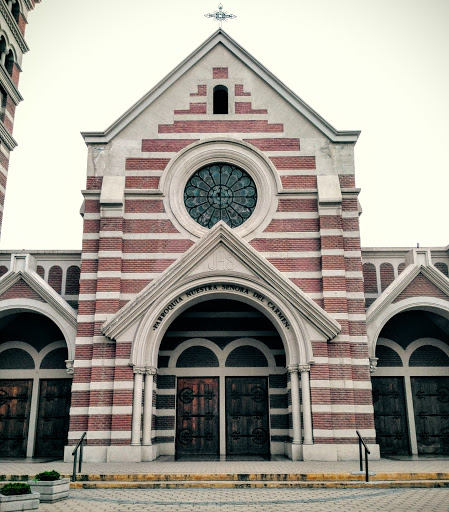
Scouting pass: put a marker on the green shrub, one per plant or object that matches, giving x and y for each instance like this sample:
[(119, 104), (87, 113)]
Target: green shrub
[(15, 489), (47, 476)]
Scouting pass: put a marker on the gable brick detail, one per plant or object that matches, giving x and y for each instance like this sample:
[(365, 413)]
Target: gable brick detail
[(421, 287), (21, 290)]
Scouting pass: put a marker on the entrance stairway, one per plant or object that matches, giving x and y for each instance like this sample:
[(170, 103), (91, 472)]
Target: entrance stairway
[(251, 480)]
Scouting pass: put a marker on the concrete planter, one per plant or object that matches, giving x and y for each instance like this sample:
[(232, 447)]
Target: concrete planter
[(51, 491), (19, 502)]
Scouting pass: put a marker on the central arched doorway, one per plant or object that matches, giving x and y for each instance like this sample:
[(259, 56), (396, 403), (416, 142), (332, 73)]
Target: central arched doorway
[(222, 369)]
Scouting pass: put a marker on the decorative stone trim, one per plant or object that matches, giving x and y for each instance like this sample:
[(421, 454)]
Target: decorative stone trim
[(69, 366), (373, 364), (10, 86), (6, 137), (13, 26)]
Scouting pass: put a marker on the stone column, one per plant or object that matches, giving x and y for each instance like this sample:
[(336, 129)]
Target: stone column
[(150, 371), (306, 402), (137, 405), (296, 407)]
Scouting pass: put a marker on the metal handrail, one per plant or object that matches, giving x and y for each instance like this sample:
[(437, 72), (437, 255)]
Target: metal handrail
[(367, 452), (75, 456)]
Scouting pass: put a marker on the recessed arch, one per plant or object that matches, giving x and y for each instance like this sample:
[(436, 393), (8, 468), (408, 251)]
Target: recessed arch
[(67, 329), (433, 305)]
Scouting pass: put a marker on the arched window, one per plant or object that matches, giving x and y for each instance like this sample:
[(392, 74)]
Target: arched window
[(15, 11), (9, 63), (220, 99)]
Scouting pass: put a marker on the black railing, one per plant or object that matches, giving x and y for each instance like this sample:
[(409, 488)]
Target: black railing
[(362, 441), (75, 456)]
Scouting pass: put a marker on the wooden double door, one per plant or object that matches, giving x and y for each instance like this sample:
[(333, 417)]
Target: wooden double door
[(52, 417), (430, 398), (198, 416)]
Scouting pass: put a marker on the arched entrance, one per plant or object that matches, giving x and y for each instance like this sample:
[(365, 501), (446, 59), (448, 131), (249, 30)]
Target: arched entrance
[(226, 364), (34, 386), (411, 384)]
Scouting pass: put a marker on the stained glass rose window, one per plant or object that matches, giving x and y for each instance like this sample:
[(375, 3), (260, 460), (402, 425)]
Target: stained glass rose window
[(220, 192)]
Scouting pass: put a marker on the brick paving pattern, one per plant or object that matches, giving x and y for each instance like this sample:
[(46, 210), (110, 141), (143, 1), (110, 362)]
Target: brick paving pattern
[(266, 500)]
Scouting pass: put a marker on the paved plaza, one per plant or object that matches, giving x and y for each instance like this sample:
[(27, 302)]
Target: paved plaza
[(266, 500), (226, 500)]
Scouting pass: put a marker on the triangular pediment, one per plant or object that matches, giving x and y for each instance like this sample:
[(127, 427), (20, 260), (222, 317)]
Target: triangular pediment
[(221, 38), (419, 279), (22, 281), (221, 253)]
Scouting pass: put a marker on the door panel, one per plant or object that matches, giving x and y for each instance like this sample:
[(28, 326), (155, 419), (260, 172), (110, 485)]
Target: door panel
[(197, 428), (15, 404), (390, 415), (53, 417), (431, 405), (247, 425)]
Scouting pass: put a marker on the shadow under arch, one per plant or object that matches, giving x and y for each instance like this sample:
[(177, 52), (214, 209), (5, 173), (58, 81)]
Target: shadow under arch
[(68, 331), (433, 305)]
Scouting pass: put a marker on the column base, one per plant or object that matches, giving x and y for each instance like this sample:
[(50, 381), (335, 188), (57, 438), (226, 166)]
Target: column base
[(115, 453), (336, 452)]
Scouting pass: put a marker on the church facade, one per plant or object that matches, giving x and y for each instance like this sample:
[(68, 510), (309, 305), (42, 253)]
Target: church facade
[(221, 304)]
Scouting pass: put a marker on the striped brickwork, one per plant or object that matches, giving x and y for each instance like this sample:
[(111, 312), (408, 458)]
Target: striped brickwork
[(317, 249)]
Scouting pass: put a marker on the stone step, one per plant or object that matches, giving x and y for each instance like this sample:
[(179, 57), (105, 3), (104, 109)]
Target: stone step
[(227, 484), (244, 477)]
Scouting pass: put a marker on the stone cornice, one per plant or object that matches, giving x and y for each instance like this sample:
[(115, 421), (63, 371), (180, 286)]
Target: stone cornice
[(13, 26), (29, 4), (7, 138), (10, 86)]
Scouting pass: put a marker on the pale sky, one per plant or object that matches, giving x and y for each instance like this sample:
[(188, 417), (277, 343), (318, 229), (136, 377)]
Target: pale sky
[(381, 67)]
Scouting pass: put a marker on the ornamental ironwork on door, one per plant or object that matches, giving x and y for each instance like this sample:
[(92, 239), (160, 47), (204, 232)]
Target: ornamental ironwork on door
[(390, 415), (15, 403), (431, 406), (197, 417), (247, 425)]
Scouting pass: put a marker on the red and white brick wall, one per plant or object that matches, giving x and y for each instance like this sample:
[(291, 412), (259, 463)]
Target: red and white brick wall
[(318, 250)]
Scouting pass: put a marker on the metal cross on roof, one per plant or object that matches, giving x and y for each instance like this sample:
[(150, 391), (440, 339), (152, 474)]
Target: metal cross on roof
[(220, 15)]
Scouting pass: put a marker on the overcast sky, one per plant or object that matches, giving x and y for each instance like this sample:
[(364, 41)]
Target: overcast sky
[(377, 66)]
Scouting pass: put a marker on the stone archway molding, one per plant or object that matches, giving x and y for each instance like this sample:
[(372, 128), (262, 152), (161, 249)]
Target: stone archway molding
[(52, 305), (221, 265)]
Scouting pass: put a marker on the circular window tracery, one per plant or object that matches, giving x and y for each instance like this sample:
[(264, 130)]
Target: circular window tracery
[(220, 191)]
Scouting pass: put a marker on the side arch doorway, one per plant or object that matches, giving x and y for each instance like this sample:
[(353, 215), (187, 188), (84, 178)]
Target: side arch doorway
[(411, 385), (34, 386), (221, 368)]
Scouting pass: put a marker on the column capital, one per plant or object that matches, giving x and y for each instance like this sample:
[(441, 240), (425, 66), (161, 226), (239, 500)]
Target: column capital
[(140, 370), (292, 368), (150, 370), (69, 366), (304, 368), (373, 364)]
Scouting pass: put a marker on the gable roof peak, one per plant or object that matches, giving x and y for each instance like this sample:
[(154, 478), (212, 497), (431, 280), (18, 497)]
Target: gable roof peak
[(217, 37)]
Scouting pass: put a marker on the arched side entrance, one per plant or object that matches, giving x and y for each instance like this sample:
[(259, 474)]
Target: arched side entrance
[(34, 386), (411, 384)]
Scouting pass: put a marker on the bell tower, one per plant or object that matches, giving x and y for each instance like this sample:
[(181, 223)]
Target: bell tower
[(13, 21)]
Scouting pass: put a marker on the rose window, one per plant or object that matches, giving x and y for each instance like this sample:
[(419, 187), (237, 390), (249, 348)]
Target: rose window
[(220, 192)]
